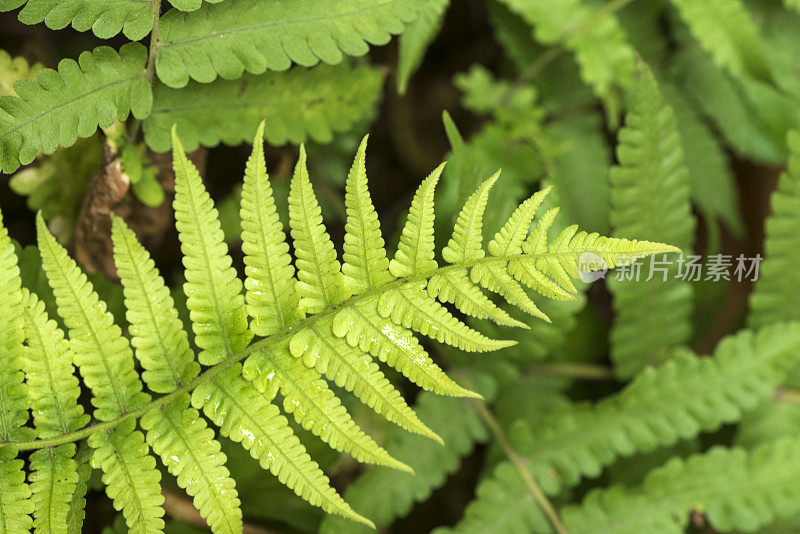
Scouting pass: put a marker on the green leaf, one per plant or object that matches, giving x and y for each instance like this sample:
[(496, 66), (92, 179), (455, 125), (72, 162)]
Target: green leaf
[(416, 38), (134, 18), (298, 104), (734, 489), (235, 36), (61, 106)]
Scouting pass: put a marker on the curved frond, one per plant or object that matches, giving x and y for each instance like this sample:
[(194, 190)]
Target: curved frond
[(53, 479), (606, 60), (15, 499), (235, 36), (312, 404), (62, 105), (650, 198), (735, 489), (726, 31), (106, 18), (352, 369), (685, 396), (298, 104)]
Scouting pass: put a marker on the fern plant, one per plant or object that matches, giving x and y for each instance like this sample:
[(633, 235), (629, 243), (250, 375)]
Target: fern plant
[(295, 323)]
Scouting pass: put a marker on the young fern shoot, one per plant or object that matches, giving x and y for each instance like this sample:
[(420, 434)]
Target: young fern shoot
[(275, 340)]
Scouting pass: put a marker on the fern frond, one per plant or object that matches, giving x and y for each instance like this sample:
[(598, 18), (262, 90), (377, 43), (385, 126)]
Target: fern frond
[(130, 475), (685, 396), (365, 264), (272, 299), (415, 252), (650, 197), (725, 30), (190, 5), (176, 433), (77, 500), (320, 281), (775, 297), (214, 292), (61, 106), (298, 104), (235, 36), (13, 69), (606, 59), (414, 41), (273, 304), (733, 488), (247, 417)]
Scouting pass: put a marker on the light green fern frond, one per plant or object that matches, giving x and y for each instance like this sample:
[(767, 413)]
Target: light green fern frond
[(775, 297), (213, 291), (313, 319), (130, 476), (733, 488), (365, 264), (650, 197), (726, 30), (234, 36), (298, 104), (134, 18), (61, 106)]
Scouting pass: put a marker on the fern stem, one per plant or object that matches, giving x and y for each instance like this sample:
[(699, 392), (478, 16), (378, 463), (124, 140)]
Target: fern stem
[(519, 465), (263, 343), (573, 370), (153, 51)]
